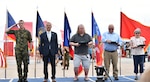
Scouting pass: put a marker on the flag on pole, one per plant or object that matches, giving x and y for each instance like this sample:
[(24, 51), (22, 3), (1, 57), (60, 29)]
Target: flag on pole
[(128, 26), (39, 28), (39, 25), (98, 45), (67, 32), (10, 20), (3, 63), (8, 46), (11, 24)]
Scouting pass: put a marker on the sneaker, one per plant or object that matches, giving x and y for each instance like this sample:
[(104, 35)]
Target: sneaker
[(45, 80), (136, 78), (116, 78), (105, 77), (86, 79), (75, 79)]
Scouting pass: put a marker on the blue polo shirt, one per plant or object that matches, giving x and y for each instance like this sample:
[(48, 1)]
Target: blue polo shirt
[(113, 37)]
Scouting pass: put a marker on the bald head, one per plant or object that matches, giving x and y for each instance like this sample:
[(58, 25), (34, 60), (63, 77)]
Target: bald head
[(48, 26), (111, 28)]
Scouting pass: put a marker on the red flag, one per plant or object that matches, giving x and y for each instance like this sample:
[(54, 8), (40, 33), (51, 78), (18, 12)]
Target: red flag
[(129, 25), (3, 63), (28, 26)]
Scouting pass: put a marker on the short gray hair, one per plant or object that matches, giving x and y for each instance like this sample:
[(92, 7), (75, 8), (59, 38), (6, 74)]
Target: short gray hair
[(137, 30)]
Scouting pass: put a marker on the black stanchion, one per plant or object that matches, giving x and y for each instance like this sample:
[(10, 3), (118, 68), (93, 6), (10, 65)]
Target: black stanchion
[(100, 73)]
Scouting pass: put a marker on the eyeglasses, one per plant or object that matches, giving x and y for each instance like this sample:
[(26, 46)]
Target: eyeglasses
[(137, 33)]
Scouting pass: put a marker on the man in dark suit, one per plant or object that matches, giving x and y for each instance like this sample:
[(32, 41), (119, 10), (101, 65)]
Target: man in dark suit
[(48, 49)]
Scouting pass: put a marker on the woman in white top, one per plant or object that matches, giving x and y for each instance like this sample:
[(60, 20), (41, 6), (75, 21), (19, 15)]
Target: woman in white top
[(138, 51)]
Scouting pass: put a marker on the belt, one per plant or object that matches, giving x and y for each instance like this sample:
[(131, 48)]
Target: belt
[(111, 51)]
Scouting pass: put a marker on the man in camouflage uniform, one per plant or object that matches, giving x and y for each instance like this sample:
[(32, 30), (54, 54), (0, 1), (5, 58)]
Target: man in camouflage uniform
[(23, 36)]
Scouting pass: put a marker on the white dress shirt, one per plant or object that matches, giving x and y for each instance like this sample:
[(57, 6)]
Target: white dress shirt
[(49, 35)]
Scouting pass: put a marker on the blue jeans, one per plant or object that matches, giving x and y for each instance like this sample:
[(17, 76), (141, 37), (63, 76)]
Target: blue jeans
[(138, 60)]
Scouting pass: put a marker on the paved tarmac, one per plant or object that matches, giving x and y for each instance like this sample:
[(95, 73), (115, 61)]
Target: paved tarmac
[(125, 66)]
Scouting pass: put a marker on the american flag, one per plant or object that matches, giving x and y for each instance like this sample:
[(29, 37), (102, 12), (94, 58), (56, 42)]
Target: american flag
[(2, 59)]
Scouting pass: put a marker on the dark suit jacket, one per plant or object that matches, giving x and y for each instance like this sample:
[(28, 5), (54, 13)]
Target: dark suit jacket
[(45, 44)]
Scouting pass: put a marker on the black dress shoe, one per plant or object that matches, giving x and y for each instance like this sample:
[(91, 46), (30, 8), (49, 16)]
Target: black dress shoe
[(116, 78), (20, 80), (45, 80), (53, 80), (136, 78)]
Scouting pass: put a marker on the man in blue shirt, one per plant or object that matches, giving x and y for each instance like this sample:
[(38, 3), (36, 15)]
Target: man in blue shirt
[(111, 42)]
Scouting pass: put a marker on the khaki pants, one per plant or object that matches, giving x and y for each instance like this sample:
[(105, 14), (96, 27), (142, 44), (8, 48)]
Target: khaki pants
[(111, 57)]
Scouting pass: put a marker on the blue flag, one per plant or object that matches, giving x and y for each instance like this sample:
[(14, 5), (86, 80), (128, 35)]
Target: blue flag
[(67, 31), (95, 28), (10, 20), (39, 25)]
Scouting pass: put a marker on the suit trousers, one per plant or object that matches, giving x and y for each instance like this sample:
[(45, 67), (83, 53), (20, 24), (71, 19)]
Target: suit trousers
[(111, 57), (49, 58)]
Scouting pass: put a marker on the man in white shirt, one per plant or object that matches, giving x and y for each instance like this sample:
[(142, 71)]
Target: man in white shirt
[(48, 49)]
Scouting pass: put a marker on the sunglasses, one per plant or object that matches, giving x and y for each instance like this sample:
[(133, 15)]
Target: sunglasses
[(111, 29)]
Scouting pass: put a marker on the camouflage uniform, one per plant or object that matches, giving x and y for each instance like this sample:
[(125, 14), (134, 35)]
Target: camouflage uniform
[(21, 51), (66, 59)]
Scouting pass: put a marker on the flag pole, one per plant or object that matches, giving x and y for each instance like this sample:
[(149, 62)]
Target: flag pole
[(35, 51), (92, 48), (35, 61), (63, 63), (35, 58), (120, 54), (92, 60), (120, 46), (63, 41), (63, 72), (6, 42), (5, 59), (92, 67)]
